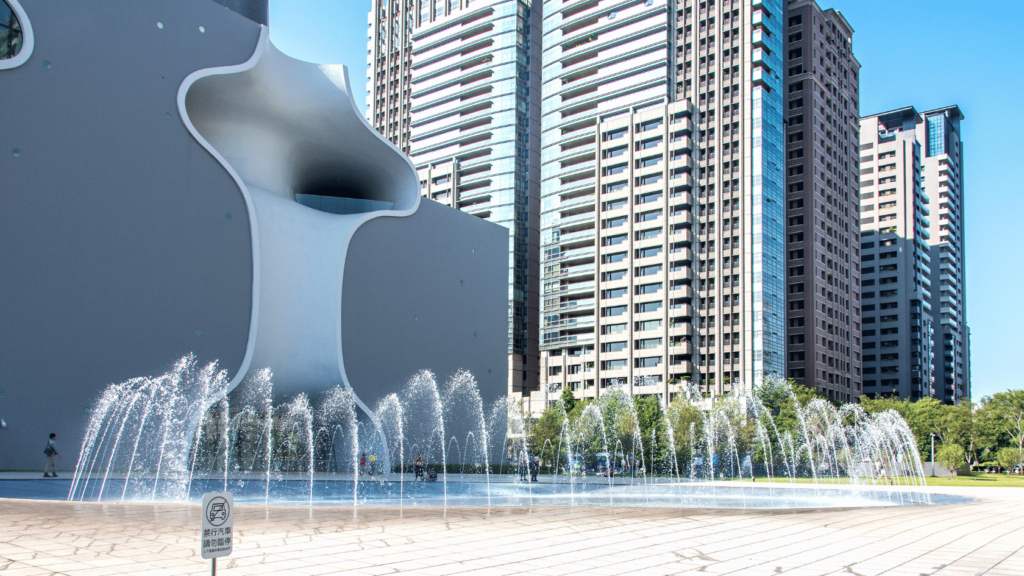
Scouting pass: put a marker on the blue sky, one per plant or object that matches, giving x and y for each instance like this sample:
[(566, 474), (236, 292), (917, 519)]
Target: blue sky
[(925, 54)]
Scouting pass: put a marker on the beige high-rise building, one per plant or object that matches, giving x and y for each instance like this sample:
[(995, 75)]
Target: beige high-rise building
[(898, 319), (631, 259), (705, 79), (822, 202), (916, 339)]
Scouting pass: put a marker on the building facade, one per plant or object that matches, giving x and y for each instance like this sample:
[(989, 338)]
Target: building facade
[(265, 224), (942, 183), (624, 272), (389, 68), (475, 117), (608, 67), (896, 264), (822, 202)]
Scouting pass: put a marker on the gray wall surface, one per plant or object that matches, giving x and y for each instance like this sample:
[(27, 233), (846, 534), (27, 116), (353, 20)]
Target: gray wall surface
[(426, 292), (256, 10), (116, 248)]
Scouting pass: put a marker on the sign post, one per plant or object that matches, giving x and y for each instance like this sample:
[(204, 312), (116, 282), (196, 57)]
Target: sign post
[(217, 533)]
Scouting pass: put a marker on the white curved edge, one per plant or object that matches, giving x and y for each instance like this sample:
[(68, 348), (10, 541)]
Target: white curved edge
[(332, 73), (28, 39), (261, 47), (369, 216)]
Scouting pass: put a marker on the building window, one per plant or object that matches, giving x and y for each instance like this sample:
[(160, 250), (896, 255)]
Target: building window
[(10, 32)]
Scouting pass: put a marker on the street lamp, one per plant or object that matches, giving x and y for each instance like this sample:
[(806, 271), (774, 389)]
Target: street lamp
[(933, 454)]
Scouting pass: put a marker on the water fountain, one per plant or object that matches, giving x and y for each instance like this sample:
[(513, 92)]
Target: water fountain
[(177, 435)]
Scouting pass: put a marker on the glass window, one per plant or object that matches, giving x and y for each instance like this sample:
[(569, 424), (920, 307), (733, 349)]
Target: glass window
[(10, 32), (936, 135)]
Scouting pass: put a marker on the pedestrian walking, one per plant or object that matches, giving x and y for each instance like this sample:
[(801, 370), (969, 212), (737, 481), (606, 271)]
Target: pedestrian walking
[(373, 463), (534, 467), (362, 464), (51, 452)]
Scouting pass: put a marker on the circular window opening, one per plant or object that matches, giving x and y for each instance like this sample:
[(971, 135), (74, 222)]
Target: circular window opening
[(11, 36)]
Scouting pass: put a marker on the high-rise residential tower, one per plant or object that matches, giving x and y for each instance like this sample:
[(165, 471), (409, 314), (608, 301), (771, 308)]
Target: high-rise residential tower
[(475, 140), (896, 265), (389, 68), (942, 182), (822, 202), (695, 89)]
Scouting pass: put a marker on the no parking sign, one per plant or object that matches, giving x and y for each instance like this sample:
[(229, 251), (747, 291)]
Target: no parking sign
[(218, 519)]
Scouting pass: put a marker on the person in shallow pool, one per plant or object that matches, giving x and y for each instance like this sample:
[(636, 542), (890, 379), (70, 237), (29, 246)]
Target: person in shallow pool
[(417, 466)]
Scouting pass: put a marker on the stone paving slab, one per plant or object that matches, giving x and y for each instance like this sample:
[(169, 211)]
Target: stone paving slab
[(982, 537)]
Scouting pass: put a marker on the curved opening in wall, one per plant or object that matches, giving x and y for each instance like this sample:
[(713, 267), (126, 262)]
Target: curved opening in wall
[(290, 128), (11, 36)]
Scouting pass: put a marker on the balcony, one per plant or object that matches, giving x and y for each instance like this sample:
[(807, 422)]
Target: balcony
[(577, 185), (585, 304), (577, 254), (684, 162), (549, 343), (576, 236), (681, 366), (574, 271), (680, 254), (680, 329), (680, 348), (683, 290), (576, 219), (571, 323)]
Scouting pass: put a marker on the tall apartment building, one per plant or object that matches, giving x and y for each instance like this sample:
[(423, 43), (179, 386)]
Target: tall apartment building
[(898, 316), (473, 86), (822, 202), (705, 80), (942, 175), (389, 68)]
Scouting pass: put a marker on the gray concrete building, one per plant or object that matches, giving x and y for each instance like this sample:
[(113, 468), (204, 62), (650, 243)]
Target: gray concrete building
[(633, 65), (202, 193), (822, 202)]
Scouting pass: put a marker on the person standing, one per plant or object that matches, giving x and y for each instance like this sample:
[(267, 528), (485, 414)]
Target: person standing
[(51, 452), (417, 466), (534, 467), (373, 463), (362, 464)]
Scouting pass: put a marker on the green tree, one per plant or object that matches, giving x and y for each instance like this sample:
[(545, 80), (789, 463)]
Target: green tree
[(1006, 413), (951, 456), (687, 428), (568, 399), (651, 419), (782, 401), (1009, 458), (923, 416), (547, 432)]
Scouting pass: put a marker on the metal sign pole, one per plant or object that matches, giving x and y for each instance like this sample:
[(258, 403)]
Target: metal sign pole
[(213, 567)]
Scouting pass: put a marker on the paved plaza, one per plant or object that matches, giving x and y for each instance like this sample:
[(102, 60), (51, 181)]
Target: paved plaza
[(984, 536)]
